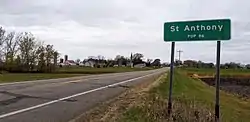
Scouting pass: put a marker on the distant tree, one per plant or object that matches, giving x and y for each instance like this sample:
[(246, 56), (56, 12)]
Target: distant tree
[(165, 64), (49, 56), (33, 55), (100, 57), (156, 62), (22, 52), (41, 58), (17, 63), (2, 39), (92, 57), (56, 56), (209, 65), (190, 63), (121, 60), (11, 47), (178, 62), (137, 58), (117, 57), (149, 62), (26, 46), (232, 65), (248, 66), (78, 61), (110, 63), (200, 64)]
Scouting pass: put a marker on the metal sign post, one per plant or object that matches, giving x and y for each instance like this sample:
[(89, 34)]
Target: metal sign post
[(200, 30), (217, 82), (171, 79)]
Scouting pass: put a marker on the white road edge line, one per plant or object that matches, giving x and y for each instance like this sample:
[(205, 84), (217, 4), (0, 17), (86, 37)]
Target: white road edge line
[(56, 79), (72, 96)]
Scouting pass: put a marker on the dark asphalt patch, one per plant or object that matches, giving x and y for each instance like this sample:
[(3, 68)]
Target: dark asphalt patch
[(18, 97)]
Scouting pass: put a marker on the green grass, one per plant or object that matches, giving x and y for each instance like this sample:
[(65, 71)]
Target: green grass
[(14, 77), (64, 72), (211, 71), (89, 70), (188, 91)]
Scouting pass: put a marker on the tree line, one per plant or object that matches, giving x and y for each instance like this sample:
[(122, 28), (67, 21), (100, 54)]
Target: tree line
[(22, 52), (120, 60), (200, 64)]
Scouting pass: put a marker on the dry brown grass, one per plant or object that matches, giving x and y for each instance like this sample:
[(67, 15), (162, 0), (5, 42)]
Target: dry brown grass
[(112, 110), (139, 104), (153, 108)]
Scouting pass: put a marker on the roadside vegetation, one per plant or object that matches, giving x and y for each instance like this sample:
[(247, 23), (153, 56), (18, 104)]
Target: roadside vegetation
[(223, 72), (202, 68), (24, 57), (90, 70), (65, 72), (193, 101)]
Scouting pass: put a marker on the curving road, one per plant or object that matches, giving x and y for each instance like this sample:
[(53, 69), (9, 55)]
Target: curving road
[(60, 100)]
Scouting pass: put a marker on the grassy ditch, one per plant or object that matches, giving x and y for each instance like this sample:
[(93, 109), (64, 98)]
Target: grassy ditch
[(211, 72), (193, 100)]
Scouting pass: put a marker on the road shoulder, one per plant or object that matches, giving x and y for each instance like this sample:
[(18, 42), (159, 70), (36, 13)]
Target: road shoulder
[(112, 109)]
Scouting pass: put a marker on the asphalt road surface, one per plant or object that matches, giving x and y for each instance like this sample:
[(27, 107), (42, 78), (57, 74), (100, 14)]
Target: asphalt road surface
[(60, 100)]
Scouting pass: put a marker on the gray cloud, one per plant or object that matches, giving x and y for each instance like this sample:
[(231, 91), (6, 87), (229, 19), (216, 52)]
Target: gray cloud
[(111, 27)]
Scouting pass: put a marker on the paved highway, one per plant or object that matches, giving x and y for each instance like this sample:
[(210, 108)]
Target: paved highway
[(60, 100)]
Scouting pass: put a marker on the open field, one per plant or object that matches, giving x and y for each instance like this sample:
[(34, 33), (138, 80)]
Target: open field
[(235, 81), (89, 70), (211, 71), (193, 100), (64, 72)]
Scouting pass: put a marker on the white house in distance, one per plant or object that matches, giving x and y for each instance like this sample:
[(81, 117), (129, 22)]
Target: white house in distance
[(70, 63), (141, 65), (88, 63)]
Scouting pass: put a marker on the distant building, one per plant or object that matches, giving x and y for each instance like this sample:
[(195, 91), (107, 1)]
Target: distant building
[(65, 57), (69, 62), (130, 64), (87, 63), (141, 65)]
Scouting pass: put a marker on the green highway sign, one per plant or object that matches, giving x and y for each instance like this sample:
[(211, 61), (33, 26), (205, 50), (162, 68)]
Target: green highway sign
[(219, 29)]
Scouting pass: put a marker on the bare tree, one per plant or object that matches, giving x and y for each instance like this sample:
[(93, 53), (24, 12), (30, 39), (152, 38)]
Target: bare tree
[(34, 55), (49, 56), (138, 56), (56, 56), (41, 67), (22, 52), (2, 39), (100, 57), (11, 48), (26, 47)]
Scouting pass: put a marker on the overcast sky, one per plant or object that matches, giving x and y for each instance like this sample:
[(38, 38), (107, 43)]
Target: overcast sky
[(82, 28)]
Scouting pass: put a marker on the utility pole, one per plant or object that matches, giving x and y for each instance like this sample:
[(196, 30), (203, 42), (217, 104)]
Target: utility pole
[(179, 51)]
